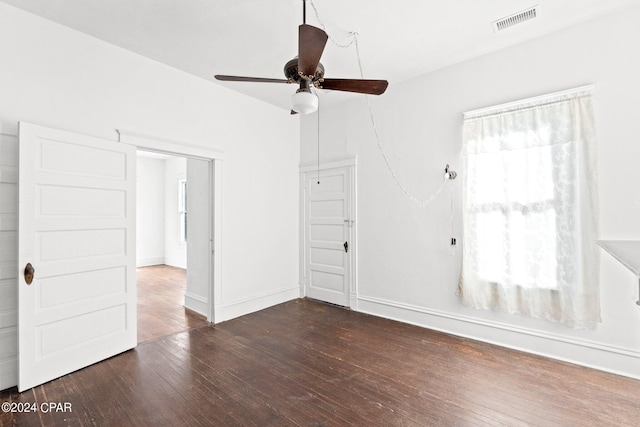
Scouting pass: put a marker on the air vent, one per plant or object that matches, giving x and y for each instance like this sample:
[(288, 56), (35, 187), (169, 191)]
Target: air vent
[(517, 18)]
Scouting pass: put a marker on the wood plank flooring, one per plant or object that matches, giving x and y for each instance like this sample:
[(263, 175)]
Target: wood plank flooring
[(304, 363), (161, 309)]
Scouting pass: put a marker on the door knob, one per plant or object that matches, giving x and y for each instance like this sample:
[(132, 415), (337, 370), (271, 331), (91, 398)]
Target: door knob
[(29, 272), (346, 247)]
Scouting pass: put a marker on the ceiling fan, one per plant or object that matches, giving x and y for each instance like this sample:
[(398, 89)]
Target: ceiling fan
[(307, 71)]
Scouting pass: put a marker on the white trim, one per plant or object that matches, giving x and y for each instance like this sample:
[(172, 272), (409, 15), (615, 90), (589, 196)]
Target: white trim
[(353, 271), (168, 146), (196, 303), (353, 301), (175, 262), (302, 278), (310, 167), (302, 210), (353, 237), (614, 359), (146, 262), (535, 99), (215, 157), (250, 305), (215, 289)]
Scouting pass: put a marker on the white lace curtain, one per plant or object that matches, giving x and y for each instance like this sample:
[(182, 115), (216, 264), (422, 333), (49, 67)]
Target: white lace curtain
[(530, 209)]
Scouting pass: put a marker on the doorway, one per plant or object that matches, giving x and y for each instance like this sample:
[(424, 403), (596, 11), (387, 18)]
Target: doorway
[(203, 209), (162, 249)]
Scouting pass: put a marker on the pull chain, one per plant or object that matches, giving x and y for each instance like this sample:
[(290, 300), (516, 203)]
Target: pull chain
[(452, 211), (354, 41), (454, 241)]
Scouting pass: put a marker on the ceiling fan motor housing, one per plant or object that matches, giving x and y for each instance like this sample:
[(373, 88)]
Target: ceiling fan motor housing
[(291, 71)]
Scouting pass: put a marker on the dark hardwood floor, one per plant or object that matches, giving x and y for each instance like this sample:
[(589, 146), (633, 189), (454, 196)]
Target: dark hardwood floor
[(306, 363), (161, 309)]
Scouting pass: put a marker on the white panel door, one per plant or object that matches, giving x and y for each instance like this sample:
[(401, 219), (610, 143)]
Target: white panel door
[(77, 230), (327, 242)]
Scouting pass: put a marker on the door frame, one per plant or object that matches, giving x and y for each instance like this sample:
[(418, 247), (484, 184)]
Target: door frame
[(306, 174), (215, 158)]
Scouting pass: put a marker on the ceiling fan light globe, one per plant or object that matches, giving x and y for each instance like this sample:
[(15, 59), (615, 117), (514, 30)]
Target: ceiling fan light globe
[(304, 102)]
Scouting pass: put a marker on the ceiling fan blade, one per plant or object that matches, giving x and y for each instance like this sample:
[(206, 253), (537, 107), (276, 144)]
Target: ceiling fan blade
[(249, 79), (370, 87), (311, 42)]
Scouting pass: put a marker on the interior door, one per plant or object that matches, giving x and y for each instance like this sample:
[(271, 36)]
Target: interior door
[(327, 235), (77, 232)]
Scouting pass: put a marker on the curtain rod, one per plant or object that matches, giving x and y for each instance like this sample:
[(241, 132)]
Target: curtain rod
[(506, 106)]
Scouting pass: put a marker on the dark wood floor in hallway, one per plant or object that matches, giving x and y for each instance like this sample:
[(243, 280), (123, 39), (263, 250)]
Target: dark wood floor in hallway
[(304, 363), (161, 309)]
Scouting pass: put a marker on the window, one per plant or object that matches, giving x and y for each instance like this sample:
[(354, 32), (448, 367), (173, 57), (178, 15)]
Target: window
[(182, 208), (530, 209)]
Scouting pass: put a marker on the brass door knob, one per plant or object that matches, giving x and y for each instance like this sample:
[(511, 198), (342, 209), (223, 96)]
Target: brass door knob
[(29, 272)]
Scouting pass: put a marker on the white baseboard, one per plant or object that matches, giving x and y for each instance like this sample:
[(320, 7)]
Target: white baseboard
[(196, 303), (617, 360), (146, 262), (175, 262), (250, 305), (353, 301)]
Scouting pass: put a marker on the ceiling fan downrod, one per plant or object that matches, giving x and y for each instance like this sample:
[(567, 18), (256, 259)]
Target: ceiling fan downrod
[(304, 11)]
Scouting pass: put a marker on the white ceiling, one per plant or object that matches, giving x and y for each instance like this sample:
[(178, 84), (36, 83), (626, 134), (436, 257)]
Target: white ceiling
[(398, 40)]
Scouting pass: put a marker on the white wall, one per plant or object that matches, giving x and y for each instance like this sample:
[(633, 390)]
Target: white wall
[(150, 212), (57, 77), (175, 251), (405, 270), (158, 220)]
